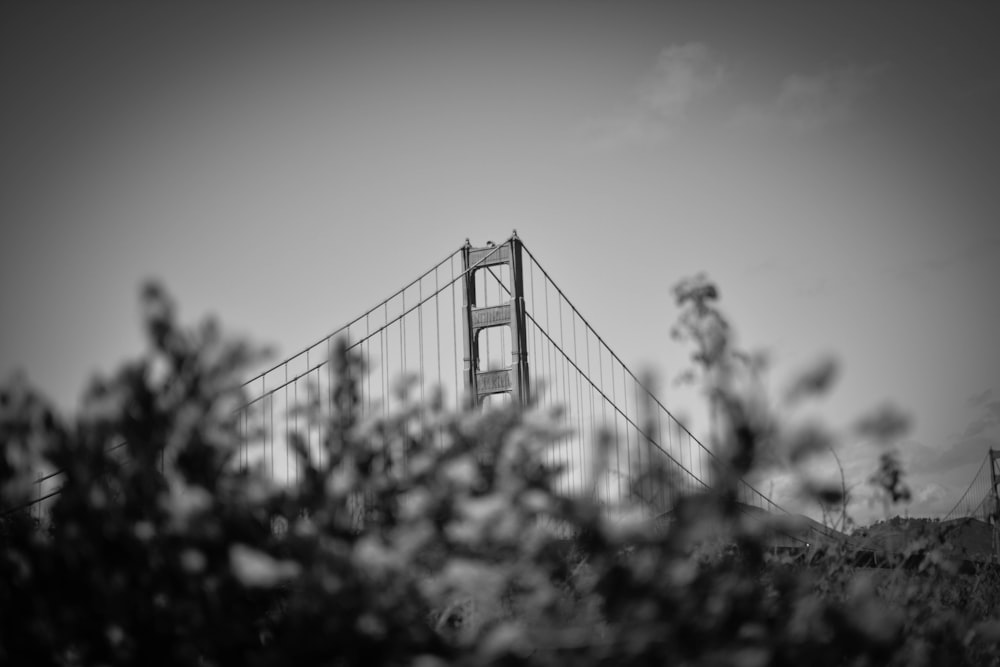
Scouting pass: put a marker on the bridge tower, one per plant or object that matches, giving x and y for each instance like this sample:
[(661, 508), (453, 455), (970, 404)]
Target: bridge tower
[(513, 379), (994, 515)]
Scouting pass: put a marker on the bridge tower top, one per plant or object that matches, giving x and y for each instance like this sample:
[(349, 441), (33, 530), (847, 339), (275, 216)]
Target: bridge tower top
[(512, 379)]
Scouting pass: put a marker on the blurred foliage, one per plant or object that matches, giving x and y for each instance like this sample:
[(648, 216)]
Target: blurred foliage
[(428, 538)]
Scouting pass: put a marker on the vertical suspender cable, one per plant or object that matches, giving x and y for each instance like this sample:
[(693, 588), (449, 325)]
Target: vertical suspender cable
[(565, 387), (579, 410), (614, 400), (305, 415), (596, 465), (368, 368), (454, 333), (504, 358), (437, 325), (628, 438), (604, 412), (663, 474), (295, 387), (402, 336), (384, 373), (420, 336), (267, 414), (288, 465)]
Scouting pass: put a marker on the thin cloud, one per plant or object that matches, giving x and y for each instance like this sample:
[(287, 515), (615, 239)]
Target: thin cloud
[(682, 77), (685, 77), (813, 103), (977, 400), (929, 499), (988, 420), (972, 252), (968, 449)]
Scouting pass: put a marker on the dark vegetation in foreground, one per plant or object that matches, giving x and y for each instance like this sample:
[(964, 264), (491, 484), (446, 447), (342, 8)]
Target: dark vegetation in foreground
[(432, 538)]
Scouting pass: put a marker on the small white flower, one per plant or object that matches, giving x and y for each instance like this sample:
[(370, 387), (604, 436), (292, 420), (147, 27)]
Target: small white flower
[(257, 569)]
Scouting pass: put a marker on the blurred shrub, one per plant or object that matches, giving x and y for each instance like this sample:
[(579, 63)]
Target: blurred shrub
[(462, 553)]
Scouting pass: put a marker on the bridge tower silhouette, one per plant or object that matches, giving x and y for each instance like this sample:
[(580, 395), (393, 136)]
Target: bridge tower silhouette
[(512, 380)]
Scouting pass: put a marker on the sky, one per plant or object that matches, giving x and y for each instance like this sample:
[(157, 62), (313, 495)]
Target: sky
[(284, 166)]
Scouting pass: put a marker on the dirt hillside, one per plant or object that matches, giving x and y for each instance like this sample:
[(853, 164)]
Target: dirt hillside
[(968, 539)]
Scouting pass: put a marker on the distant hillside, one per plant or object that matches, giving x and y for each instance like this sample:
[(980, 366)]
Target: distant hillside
[(798, 529), (969, 539), (966, 539)]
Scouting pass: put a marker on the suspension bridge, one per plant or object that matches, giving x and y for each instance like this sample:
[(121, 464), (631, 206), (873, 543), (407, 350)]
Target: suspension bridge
[(981, 500), (486, 326)]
